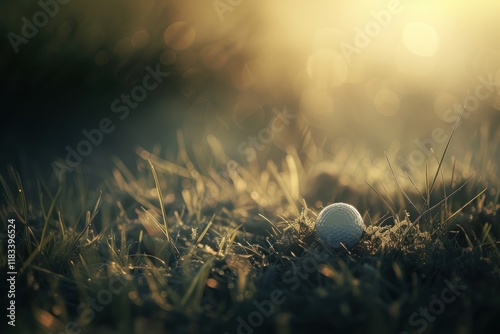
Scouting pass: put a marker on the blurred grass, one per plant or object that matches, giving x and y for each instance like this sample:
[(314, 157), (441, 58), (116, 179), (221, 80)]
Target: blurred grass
[(192, 244)]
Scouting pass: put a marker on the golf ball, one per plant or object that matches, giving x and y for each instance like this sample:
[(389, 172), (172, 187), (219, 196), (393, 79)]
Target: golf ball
[(339, 223)]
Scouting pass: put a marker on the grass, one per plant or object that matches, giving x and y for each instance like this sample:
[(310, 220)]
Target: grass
[(196, 247)]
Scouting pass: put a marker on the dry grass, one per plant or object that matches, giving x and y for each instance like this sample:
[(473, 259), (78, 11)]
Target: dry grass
[(193, 245)]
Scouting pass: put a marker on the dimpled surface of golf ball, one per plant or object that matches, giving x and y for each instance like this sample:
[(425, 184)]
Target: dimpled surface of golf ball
[(340, 223)]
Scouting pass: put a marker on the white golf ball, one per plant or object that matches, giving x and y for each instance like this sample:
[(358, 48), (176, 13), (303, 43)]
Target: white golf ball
[(340, 223)]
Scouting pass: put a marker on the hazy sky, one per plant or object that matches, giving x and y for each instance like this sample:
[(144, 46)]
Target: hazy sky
[(386, 75)]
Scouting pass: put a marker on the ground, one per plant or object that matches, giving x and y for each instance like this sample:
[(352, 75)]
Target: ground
[(197, 247)]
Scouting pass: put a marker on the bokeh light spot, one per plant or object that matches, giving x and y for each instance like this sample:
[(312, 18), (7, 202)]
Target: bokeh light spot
[(66, 28), (140, 39), (214, 57), (420, 39), (179, 35), (212, 283), (168, 57), (387, 102), (123, 47), (327, 68)]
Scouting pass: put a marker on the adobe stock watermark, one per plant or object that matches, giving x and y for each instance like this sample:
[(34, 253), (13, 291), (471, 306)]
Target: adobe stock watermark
[(223, 6), (426, 146), (30, 28), (365, 35), (292, 279), (87, 310), (120, 106), (483, 91), (265, 136), (436, 306)]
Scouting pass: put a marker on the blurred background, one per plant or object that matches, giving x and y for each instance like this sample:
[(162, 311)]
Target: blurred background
[(338, 83)]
